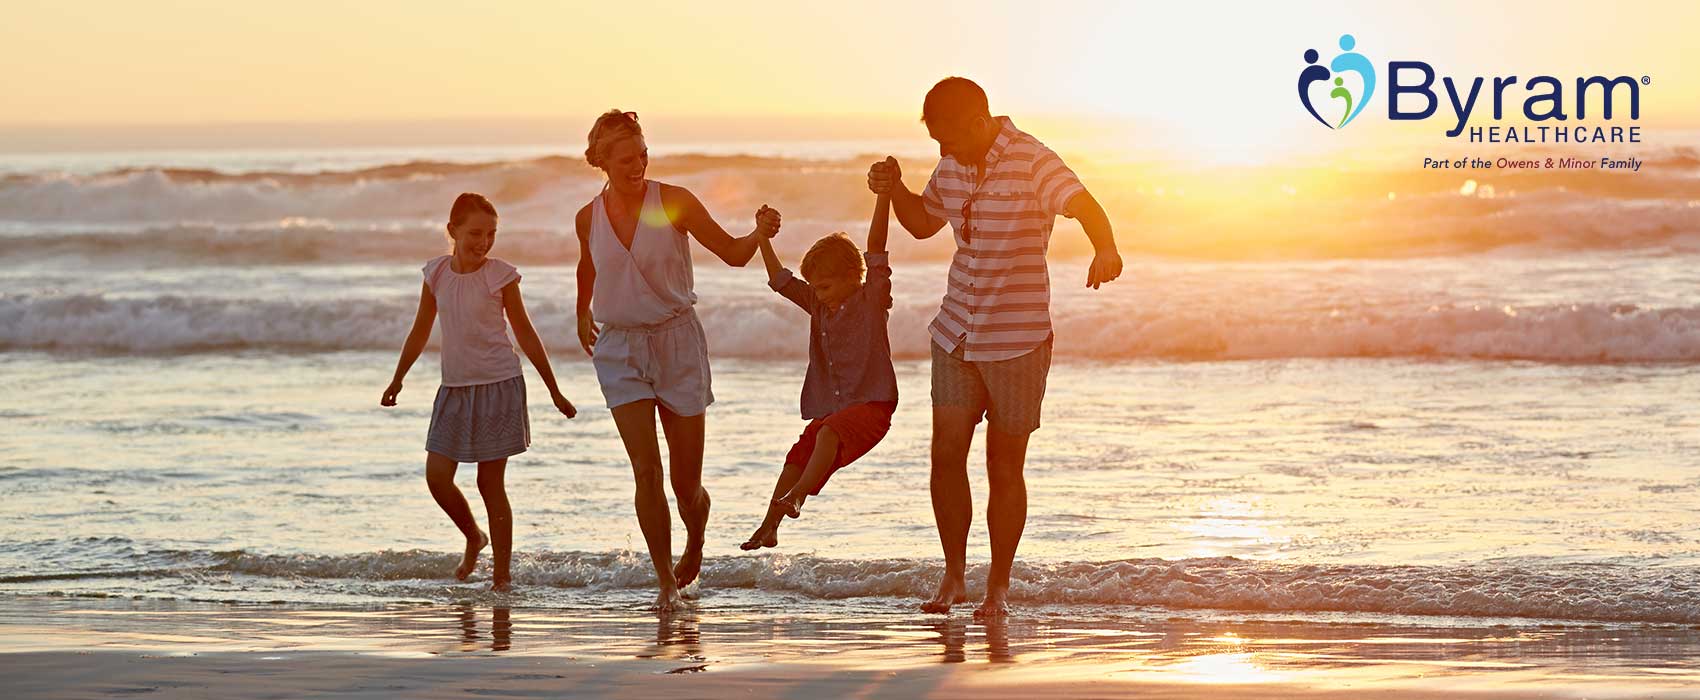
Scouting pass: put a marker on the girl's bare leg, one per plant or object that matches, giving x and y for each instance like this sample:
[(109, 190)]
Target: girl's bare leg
[(440, 477), (501, 517)]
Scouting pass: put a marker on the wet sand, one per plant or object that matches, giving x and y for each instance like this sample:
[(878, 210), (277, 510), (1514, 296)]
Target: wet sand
[(104, 648)]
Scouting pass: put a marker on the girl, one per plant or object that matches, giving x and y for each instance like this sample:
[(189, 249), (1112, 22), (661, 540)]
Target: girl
[(634, 275), (480, 411)]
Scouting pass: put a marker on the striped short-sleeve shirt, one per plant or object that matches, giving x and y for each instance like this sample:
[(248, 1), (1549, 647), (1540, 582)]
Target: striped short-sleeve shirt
[(997, 303)]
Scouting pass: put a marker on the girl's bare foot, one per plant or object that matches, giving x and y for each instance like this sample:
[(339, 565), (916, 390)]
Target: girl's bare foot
[(790, 508), (764, 537), (951, 592), (469, 561)]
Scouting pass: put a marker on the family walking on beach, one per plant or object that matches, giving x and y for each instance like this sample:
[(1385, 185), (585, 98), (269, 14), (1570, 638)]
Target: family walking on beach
[(997, 187)]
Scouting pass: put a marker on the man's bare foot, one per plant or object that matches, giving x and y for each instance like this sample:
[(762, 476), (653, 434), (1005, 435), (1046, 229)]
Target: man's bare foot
[(764, 537), (951, 592), (667, 601), (995, 606), (789, 507), (469, 561)]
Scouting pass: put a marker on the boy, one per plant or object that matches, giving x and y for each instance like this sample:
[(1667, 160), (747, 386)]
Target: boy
[(850, 391)]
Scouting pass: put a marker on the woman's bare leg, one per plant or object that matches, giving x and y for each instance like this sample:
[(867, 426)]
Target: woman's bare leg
[(636, 421), (684, 462)]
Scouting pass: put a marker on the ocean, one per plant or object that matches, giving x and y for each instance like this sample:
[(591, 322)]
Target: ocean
[(1366, 395)]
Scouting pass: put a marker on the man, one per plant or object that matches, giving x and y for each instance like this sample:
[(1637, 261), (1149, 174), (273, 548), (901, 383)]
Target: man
[(1000, 189)]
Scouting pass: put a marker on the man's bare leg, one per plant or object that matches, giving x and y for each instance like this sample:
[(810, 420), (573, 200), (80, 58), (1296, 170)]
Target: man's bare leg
[(953, 505), (636, 421), (1006, 514)]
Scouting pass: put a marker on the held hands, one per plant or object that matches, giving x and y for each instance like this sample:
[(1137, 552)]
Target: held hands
[(885, 176), (767, 221), (563, 405), (1106, 266), (587, 332), (390, 393)]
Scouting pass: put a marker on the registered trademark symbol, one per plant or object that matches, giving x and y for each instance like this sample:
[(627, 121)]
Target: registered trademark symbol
[(1646, 80)]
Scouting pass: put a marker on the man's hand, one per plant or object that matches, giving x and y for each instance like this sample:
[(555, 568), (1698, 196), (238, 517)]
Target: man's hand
[(767, 221), (1106, 266), (885, 176)]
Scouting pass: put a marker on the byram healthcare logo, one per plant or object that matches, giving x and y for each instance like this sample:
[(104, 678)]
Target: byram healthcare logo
[(1348, 62), (1337, 92)]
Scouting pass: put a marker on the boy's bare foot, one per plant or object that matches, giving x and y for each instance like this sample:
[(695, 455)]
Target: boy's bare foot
[(469, 561), (951, 592), (995, 606), (789, 507), (764, 537), (667, 601)]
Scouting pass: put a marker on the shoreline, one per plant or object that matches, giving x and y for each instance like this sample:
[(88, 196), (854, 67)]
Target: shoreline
[(100, 648)]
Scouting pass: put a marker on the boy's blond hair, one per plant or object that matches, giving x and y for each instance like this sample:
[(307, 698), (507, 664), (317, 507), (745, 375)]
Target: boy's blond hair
[(831, 255)]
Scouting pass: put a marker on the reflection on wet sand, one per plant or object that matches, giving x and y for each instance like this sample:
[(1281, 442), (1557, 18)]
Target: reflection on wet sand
[(500, 632), (954, 635), (1123, 645)]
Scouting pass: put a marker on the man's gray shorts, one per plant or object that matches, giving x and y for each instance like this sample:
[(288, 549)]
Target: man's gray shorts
[(1009, 393)]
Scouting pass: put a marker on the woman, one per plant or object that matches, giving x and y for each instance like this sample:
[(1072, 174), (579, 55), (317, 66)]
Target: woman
[(634, 277)]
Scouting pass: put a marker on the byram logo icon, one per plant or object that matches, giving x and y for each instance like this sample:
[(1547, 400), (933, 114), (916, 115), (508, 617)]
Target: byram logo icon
[(1349, 62)]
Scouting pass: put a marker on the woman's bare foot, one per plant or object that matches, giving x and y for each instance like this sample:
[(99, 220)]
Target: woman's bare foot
[(995, 606), (690, 563), (502, 585), (667, 601), (469, 561), (764, 537), (951, 591)]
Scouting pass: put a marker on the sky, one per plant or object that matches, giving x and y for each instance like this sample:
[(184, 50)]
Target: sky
[(1210, 75)]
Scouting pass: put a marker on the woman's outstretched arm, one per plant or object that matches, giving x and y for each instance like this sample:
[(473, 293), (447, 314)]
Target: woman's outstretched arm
[(690, 216)]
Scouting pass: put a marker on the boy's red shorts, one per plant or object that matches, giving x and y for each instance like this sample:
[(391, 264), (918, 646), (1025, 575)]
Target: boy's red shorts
[(859, 428)]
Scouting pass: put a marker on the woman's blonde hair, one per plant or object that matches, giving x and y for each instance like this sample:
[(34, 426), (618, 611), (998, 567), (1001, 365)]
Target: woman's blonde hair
[(833, 254), (613, 125)]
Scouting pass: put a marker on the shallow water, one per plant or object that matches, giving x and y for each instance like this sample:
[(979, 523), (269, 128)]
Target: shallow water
[(1490, 418)]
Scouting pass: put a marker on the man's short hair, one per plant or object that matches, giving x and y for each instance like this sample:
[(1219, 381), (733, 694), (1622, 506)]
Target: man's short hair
[(954, 98)]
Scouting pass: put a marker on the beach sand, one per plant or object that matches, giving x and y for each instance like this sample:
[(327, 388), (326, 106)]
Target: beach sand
[(104, 648)]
